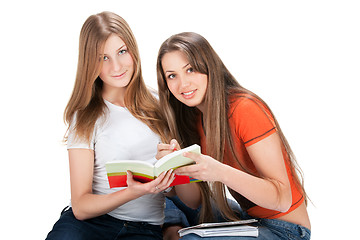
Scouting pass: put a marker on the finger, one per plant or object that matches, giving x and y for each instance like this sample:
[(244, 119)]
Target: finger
[(157, 180), (168, 179), (167, 175), (174, 145), (129, 178), (163, 146), (163, 149), (194, 156), (187, 170), (161, 182)]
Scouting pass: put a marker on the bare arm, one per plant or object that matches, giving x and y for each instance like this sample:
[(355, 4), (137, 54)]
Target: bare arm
[(189, 194), (86, 205), (271, 190)]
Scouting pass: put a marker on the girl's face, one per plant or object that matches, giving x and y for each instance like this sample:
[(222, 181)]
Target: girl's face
[(118, 65), (188, 86)]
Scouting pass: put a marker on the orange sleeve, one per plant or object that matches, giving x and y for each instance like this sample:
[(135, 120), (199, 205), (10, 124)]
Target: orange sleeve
[(253, 121)]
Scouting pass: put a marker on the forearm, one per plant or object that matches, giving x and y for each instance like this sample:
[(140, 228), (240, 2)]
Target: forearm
[(267, 193), (91, 205), (189, 194)]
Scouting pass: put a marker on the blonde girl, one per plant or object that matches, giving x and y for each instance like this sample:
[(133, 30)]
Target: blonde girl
[(111, 116)]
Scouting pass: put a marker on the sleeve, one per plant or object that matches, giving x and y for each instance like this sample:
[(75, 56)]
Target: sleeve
[(253, 121), (73, 141)]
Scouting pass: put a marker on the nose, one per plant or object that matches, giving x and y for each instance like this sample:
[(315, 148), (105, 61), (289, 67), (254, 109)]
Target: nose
[(116, 65), (185, 82)]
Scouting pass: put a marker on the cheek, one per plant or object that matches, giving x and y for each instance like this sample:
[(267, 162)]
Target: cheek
[(129, 61), (106, 67), (102, 74), (172, 86)]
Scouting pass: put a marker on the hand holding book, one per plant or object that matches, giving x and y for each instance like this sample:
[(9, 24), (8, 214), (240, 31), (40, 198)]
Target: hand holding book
[(146, 172), (164, 149), (161, 183), (206, 168)]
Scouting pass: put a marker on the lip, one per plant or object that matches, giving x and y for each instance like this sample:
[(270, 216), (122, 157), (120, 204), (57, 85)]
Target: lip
[(188, 94), (120, 75)]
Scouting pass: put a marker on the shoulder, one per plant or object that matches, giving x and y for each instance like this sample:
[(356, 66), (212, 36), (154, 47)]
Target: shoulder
[(245, 104), (250, 117)]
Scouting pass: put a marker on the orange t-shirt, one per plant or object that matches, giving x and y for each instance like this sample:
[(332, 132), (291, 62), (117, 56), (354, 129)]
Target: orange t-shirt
[(251, 122)]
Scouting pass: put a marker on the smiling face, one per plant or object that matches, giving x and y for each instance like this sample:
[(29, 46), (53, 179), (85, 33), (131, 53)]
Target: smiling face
[(118, 65), (187, 85)]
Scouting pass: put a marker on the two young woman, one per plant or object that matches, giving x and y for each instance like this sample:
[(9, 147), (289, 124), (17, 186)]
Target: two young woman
[(243, 146), (112, 116)]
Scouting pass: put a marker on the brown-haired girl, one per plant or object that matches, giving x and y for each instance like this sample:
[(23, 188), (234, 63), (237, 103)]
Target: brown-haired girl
[(243, 146), (111, 116)]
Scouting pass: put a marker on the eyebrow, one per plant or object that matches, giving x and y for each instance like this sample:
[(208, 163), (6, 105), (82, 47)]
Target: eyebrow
[(182, 68), (121, 47), (104, 54)]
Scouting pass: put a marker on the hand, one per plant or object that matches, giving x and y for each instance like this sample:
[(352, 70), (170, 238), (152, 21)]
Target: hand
[(164, 149), (161, 183), (206, 167)]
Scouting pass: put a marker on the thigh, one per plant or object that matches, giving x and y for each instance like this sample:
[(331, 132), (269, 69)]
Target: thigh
[(175, 204), (285, 230), (68, 227), (174, 215)]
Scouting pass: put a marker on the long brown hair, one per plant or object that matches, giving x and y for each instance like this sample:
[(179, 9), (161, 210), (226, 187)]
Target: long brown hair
[(221, 85), (86, 99)]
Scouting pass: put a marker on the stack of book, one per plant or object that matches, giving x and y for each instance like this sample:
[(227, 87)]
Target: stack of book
[(236, 228)]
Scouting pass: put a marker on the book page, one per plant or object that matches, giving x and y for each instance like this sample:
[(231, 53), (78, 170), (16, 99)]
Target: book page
[(235, 228), (175, 159), (222, 224), (139, 168), (242, 230)]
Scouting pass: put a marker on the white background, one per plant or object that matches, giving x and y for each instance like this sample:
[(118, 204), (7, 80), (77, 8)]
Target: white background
[(301, 57)]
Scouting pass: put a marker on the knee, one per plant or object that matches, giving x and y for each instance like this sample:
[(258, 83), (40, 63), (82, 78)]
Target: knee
[(63, 232), (67, 227)]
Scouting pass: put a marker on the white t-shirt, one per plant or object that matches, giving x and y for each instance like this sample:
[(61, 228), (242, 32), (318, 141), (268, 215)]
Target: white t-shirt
[(121, 136)]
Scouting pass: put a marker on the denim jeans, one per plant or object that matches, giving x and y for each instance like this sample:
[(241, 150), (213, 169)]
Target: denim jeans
[(103, 227), (177, 212)]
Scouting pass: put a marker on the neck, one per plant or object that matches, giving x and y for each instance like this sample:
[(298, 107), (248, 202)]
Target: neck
[(115, 96)]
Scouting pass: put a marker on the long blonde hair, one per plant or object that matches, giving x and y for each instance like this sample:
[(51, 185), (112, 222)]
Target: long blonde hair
[(86, 99), (221, 84)]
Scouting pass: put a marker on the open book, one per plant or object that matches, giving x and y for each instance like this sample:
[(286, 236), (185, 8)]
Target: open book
[(236, 228), (146, 172)]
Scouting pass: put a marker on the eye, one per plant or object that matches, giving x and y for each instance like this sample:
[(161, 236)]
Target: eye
[(190, 70), (122, 51), (171, 76), (105, 58)]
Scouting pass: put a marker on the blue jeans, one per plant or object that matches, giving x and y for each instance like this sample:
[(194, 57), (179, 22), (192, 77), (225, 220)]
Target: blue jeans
[(178, 213), (103, 227)]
